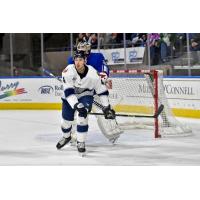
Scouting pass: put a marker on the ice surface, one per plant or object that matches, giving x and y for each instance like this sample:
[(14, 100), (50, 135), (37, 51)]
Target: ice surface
[(30, 137)]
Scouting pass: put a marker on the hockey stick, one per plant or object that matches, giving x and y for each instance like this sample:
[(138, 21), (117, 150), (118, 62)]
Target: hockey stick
[(160, 109), (52, 75), (60, 80)]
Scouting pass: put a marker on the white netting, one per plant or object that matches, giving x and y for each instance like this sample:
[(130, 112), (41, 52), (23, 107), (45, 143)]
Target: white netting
[(169, 125), (135, 94)]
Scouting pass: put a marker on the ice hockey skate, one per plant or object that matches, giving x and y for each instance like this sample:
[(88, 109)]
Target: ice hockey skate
[(81, 148), (63, 141), (113, 140)]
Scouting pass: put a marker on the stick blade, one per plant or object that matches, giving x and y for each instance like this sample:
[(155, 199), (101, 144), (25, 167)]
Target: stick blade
[(160, 109)]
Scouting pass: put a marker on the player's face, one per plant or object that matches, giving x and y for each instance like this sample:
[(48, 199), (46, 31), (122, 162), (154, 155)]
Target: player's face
[(80, 64)]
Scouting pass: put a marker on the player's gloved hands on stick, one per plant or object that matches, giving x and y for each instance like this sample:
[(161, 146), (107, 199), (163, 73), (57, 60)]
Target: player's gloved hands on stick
[(104, 77), (108, 112), (81, 109)]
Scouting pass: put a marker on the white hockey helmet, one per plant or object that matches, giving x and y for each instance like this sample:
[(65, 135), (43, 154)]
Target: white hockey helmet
[(84, 46)]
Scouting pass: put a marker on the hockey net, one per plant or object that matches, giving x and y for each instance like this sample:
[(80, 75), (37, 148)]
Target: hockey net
[(141, 92)]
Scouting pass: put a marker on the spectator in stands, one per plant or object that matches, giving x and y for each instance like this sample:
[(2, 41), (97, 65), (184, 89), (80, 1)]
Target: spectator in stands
[(120, 39), (87, 36), (102, 39), (128, 40), (195, 47), (164, 47), (139, 40), (93, 40), (135, 39), (106, 40), (153, 37), (80, 38), (195, 41), (143, 36), (115, 40), (154, 42), (180, 42)]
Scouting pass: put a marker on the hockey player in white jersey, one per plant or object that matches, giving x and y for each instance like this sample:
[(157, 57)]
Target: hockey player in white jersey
[(80, 83), (109, 128)]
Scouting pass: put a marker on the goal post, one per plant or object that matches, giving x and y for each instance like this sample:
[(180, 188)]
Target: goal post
[(141, 92), (155, 96)]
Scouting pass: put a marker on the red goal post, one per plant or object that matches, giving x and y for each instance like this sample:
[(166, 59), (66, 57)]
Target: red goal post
[(125, 87)]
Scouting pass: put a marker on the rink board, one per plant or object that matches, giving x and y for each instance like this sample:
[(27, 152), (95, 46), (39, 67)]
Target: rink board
[(44, 94), (57, 106)]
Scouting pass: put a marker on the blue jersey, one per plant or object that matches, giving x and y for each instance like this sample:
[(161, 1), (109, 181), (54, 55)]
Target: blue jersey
[(96, 60)]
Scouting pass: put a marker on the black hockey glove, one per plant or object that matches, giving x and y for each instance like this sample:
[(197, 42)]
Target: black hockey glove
[(81, 109), (108, 112)]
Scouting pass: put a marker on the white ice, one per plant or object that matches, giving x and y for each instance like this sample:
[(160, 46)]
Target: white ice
[(30, 137)]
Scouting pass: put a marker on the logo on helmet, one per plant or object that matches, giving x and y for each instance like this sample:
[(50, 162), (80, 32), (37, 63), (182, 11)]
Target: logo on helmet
[(85, 47)]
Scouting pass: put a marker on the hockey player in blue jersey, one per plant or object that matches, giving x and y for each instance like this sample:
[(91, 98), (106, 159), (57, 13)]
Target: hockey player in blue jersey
[(81, 82), (96, 60)]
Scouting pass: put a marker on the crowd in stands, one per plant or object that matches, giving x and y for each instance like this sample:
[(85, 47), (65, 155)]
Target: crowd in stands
[(166, 46), (163, 46)]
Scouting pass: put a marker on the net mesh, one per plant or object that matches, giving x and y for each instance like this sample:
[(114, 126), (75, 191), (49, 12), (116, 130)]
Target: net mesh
[(134, 93)]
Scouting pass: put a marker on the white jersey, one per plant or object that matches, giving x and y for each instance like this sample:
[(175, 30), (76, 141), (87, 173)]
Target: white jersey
[(76, 86)]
